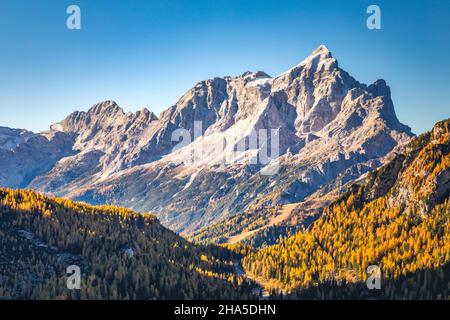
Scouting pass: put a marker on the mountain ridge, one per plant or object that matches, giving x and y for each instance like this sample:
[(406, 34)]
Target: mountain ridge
[(324, 121)]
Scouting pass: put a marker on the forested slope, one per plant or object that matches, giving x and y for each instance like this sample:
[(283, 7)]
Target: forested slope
[(122, 254), (398, 220)]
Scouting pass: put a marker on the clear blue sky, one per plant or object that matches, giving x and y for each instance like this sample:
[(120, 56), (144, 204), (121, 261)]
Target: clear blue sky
[(148, 53)]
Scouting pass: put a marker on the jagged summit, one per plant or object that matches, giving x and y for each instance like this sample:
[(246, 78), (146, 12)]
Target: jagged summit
[(319, 61), (101, 114), (147, 114), (323, 52), (108, 106), (254, 75), (380, 88), (322, 55)]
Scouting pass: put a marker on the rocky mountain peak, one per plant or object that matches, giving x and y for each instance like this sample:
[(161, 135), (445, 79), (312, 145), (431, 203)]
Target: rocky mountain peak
[(322, 52), (320, 59), (380, 88), (107, 107), (101, 116), (146, 114)]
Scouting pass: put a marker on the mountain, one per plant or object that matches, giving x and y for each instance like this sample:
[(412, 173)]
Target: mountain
[(121, 254), (397, 219), (106, 140), (319, 126), (25, 155)]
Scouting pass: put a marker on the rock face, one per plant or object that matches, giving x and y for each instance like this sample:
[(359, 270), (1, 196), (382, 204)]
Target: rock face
[(25, 155), (321, 123)]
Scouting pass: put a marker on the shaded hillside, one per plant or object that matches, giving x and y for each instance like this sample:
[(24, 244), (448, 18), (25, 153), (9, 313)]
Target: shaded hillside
[(122, 254)]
